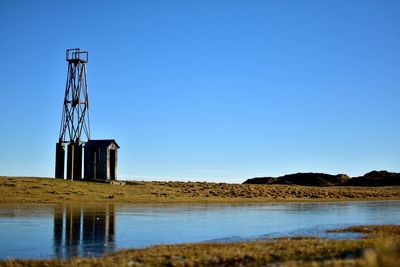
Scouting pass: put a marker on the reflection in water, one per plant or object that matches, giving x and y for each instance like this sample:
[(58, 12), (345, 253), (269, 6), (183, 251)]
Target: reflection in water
[(62, 231), (83, 230)]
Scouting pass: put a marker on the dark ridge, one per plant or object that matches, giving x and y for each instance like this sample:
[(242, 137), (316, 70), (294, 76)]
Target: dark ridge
[(260, 180), (374, 178)]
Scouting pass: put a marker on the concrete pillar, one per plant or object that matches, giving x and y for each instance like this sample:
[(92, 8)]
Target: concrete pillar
[(116, 164), (74, 161), (70, 161), (60, 160), (78, 161)]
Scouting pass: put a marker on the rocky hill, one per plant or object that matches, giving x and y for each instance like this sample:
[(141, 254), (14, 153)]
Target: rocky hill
[(374, 178)]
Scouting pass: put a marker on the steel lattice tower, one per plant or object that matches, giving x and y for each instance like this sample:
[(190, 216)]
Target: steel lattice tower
[(75, 116)]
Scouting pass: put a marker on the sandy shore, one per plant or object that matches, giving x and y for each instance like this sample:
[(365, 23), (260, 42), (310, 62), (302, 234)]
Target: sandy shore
[(47, 190)]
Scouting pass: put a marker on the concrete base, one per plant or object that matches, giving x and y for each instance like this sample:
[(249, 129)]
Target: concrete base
[(74, 161), (60, 160), (70, 161), (78, 161)]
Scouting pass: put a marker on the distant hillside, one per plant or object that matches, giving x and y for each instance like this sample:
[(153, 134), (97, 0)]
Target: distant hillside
[(374, 178)]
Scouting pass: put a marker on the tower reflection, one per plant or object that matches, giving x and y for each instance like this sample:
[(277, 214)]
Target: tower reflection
[(83, 230)]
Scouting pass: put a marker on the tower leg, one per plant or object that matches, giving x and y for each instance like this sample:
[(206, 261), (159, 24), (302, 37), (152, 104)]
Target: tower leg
[(60, 159)]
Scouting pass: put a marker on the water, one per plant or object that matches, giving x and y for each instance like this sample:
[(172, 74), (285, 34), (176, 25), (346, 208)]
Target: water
[(63, 231)]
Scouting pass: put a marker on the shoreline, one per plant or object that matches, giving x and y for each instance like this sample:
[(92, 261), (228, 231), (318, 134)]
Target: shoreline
[(195, 202), (380, 246)]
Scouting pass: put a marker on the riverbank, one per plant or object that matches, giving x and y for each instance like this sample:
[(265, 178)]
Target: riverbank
[(48, 190), (380, 247)]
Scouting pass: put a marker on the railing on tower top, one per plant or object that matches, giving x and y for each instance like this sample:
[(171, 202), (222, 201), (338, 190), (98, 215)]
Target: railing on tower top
[(77, 55)]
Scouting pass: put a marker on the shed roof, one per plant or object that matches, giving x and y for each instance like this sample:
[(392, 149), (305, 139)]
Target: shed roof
[(100, 143)]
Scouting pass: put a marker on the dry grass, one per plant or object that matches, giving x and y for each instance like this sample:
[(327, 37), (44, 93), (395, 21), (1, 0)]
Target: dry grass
[(380, 248), (376, 230), (46, 190)]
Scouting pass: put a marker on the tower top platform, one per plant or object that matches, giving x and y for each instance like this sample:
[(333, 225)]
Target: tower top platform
[(75, 55)]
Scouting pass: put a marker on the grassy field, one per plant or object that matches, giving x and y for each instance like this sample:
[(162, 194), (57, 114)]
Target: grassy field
[(47, 190), (380, 247)]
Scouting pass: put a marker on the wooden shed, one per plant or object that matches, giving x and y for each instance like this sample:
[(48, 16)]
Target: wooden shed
[(101, 160)]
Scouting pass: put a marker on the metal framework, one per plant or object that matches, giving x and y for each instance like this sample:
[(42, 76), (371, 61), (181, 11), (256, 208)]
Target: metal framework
[(75, 115)]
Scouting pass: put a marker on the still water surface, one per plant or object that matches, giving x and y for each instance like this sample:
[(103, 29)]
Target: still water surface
[(63, 231)]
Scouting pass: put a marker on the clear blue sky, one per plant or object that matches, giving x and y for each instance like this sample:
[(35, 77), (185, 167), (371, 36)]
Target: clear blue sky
[(207, 90)]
